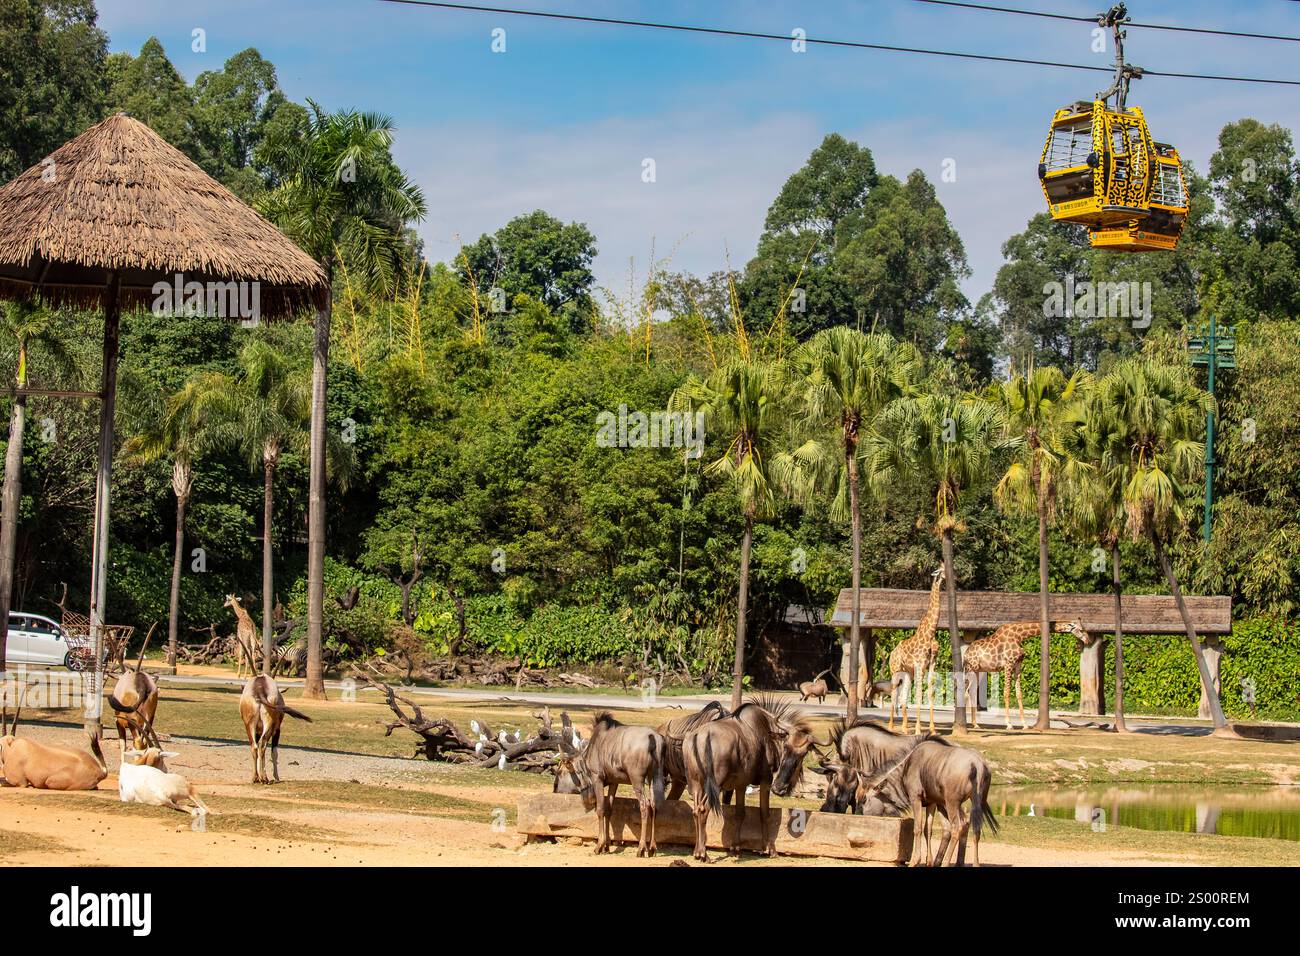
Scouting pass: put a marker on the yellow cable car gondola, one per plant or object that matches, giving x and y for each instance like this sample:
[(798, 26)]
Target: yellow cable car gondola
[(1101, 168), (1163, 224), (1096, 164)]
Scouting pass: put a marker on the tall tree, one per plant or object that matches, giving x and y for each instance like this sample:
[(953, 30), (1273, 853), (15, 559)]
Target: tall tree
[(1037, 415), (846, 379), (149, 88), (746, 402), (339, 194), (534, 255), (945, 442), (265, 411), (179, 427), (1156, 416), (51, 77), (28, 324)]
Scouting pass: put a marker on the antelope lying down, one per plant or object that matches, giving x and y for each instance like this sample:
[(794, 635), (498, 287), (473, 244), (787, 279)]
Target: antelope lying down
[(143, 778), (26, 763)]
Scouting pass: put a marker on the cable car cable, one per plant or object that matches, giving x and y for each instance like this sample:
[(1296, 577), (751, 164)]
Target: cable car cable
[(988, 8), (854, 44)]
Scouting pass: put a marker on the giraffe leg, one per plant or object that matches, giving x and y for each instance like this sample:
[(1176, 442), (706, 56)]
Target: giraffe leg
[(971, 679), (931, 701), (1006, 688), (1020, 702), (893, 698)]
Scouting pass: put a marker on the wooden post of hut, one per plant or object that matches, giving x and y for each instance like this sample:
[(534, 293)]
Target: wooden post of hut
[(112, 218)]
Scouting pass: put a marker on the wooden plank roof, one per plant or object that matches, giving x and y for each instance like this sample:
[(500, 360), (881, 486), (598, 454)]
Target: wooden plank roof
[(987, 610)]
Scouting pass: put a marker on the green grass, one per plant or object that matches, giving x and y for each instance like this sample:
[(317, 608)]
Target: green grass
[(12, 842), (1192, 848)]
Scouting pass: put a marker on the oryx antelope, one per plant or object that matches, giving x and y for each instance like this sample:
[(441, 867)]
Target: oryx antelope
[(135, 704), (614, 754), (143, 778), (262, 708), (26, 763)]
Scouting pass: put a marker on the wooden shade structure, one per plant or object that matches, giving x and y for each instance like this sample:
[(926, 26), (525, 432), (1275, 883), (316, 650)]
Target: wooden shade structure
[(989, 610), (100, 221)]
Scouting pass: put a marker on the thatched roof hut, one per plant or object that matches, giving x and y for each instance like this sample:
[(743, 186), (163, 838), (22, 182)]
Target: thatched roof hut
[(120, 197), (100, 222)]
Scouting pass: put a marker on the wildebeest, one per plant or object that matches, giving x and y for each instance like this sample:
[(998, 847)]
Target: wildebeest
[(742, 750), (262, 708), (26, 763), (614, 754), (135, 704), (674, 731), (932, 775)]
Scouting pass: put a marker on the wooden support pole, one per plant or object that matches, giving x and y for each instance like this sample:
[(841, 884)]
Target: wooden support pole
[(103, 474)]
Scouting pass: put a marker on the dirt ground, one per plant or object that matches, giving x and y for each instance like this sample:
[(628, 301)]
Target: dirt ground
[(352, 796)]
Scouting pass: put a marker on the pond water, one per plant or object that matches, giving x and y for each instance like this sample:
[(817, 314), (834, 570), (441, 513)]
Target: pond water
[(1270, 812)]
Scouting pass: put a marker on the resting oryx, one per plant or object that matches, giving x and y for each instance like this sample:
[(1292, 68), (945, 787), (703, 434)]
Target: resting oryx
[(143, 778), (262, 708), (25, 763)]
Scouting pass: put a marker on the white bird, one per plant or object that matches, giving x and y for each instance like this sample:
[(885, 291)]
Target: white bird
[(501, 764), (577, 738), (503, 737), (478, 747), (473, 725), (1031, 810)]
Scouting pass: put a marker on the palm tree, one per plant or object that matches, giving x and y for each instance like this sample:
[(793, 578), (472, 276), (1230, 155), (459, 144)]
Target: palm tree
[(1096, 500), (340, 196), (847, 378), (1155, 414), (266, 411), (745, 402), (29, 324), (946, 442), (1036, 410), (179, 426)]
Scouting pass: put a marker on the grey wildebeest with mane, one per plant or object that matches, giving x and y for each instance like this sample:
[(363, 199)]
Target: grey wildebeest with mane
[(674, 731), (614, 754), (763, 737), (932, 774)]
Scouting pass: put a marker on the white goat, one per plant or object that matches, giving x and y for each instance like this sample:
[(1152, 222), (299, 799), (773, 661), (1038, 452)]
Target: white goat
[(143, 778)]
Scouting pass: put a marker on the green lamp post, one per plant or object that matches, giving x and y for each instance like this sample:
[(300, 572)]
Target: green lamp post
[(1214, 349)]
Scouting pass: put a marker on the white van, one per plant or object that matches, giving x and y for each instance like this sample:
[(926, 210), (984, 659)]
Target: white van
[(35, 639)]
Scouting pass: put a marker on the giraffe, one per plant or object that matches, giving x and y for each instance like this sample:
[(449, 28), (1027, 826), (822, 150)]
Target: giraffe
[(915, 656), (1003, 652), (245, 636)]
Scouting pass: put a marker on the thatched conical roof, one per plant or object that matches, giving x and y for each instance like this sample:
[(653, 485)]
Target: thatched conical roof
[(119, 197)]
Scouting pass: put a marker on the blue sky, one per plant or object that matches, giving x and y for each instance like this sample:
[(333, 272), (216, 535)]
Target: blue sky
[(565, 117)]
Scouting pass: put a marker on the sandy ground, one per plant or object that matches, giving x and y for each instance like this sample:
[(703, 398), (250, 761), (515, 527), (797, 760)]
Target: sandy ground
[(425, 816)]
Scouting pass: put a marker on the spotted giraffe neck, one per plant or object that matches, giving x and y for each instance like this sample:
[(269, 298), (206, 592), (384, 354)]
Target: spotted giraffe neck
[(243, 616), (926, 628)]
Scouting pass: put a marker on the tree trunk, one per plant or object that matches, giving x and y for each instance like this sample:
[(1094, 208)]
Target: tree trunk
[(103, 494), (1119, 640), (174, 605), (742, 609), (1045, 625), (268, 570), (1207, 683), (855, 639), (1212, 648), (314, 686), (12, 502), (954, 638), (1092, 676)]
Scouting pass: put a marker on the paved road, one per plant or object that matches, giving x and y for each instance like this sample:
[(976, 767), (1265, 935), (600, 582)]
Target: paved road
[(942, 715)]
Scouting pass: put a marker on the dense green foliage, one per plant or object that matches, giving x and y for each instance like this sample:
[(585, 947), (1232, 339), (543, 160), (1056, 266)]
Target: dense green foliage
[(477, 474)]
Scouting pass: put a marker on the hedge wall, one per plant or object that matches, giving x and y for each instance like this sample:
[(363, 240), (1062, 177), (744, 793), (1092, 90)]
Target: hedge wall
[(1160, 672)]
